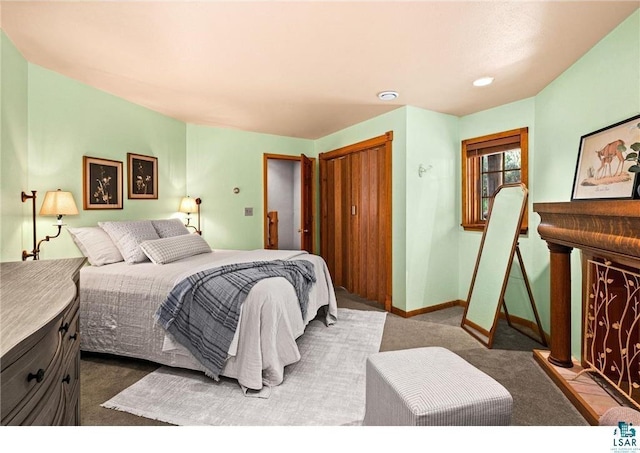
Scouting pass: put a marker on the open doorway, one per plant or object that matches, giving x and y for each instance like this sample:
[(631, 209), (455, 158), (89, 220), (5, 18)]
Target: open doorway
[(288, 202)]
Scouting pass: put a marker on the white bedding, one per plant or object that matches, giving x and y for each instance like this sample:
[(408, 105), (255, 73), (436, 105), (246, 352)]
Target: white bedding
[(118, 303)]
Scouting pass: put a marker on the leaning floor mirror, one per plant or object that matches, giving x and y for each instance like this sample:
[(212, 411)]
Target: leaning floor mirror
[(498, 247)]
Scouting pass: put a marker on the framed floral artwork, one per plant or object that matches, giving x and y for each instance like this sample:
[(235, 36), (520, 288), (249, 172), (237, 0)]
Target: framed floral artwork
[(142, 181), (102, 183)]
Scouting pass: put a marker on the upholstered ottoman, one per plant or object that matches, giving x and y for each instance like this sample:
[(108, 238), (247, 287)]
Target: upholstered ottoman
[(432, 387)]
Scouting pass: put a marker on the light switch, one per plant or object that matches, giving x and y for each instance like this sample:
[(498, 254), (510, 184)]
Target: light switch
[(248, 211)]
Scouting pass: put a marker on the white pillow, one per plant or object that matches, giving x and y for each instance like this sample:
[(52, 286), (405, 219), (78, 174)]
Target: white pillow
[(167, 250), (96, 245), (168, 228), (127, 236)]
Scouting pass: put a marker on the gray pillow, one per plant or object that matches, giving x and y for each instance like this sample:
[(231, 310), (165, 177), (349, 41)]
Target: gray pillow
[(168, 228), (127, 236), (96, 245), (167, 250)]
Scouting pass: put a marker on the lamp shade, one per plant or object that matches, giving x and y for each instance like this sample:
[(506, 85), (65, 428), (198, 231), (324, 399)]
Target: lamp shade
[(188, 205), (58, 203)]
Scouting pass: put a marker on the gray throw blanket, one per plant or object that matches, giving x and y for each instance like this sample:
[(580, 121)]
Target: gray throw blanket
[(202, 311)]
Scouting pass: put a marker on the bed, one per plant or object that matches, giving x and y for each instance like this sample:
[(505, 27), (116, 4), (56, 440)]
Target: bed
[(119, 301)]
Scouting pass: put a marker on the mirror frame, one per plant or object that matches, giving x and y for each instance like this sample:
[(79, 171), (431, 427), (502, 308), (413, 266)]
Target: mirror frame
[(484, 333)]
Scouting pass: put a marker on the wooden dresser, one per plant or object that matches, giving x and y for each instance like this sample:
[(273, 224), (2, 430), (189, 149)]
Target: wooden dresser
[(40, 342)]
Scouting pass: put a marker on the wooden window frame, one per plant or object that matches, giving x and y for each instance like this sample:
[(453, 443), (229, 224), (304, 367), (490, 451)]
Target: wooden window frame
[(471, 194)]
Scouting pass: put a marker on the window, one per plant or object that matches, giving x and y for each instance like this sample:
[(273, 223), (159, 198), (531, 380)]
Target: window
[(487, 163)]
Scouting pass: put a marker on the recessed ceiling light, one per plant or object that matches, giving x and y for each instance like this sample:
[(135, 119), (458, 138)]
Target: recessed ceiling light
[(483, 81), (387, 95)]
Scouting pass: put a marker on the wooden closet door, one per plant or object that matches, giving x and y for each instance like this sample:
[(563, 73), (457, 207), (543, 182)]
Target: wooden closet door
[(356, 261), (335, 219), (356, 218), (367, 248), (383, 226), (362, 199)]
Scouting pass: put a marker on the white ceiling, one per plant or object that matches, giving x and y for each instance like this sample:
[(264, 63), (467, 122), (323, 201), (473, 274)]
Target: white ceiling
[(309, 68)]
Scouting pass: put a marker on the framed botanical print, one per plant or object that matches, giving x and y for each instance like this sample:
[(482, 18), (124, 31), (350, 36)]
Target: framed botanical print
[(102, 181), (142, 181)]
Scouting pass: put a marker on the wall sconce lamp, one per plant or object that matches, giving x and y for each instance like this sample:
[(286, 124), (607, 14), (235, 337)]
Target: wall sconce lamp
[(190, 205), (56, 203)]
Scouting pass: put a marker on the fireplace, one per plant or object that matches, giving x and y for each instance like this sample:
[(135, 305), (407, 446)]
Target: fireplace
[(607, 232), (611, 325)]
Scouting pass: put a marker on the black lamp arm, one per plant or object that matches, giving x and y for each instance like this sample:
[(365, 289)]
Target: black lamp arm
[(198, 202), (188, 224), (24, 197), (35, 253), (47, 238)]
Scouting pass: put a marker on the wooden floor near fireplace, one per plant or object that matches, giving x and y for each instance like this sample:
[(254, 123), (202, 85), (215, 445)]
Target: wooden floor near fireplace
[(586, 394)]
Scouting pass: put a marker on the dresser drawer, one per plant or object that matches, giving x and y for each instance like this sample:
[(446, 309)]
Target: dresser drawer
[(71, 386), (70, 336), (30, 375), (72, 411), (51, 408), (58, 404)]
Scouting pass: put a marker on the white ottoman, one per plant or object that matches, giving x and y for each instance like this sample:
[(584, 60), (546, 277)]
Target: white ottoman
[(432, 387)]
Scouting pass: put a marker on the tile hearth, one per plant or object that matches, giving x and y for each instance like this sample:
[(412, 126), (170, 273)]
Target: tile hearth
[(585, 392)]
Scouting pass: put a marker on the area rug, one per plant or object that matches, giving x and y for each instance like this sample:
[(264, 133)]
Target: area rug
[(325, 388)]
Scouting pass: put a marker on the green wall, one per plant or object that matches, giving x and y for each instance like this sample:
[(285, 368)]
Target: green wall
[(600, 89), (13, 147), (431, 219), (50, 122), (221, 159)]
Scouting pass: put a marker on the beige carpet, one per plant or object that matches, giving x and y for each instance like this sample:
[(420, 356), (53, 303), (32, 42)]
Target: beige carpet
[(326, 387)]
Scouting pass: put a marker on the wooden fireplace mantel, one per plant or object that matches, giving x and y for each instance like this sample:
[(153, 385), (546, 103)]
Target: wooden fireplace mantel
[(605, 229), (608, 228)]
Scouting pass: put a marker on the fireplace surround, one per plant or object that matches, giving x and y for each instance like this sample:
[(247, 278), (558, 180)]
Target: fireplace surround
[(607, 232)]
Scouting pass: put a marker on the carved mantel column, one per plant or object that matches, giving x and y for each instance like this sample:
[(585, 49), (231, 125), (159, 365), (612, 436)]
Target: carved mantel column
[(560, 270)]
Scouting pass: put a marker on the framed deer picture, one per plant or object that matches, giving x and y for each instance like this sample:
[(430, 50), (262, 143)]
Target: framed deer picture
[(607, 166)]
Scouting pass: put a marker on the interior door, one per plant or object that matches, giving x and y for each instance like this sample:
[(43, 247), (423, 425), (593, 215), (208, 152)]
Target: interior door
[(306, 211), (336, 215), (288, 201), (355, 223)]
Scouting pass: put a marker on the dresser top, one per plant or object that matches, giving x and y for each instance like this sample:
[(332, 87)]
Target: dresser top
[(32, 293)]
